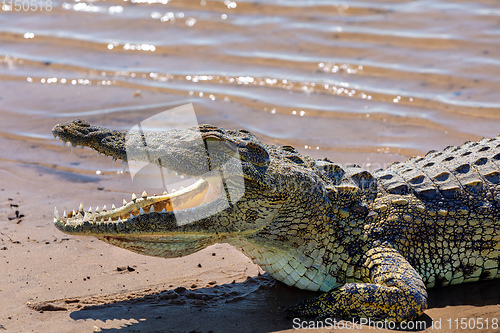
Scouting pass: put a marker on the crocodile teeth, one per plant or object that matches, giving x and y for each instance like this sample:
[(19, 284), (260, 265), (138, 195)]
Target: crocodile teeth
[(165, 193), (85, 217), (152, 209), (134, 197), (97, 209), (81, 206), (73, 213), (64, 214), (174, 190), (109, 220), (68, 144), (163, 210), (124, 166), (131, 215), (144, 194), (141, 211), (119, 219), (90, 210), (56, 213), (113, 206), (104, 209), (124, 202)]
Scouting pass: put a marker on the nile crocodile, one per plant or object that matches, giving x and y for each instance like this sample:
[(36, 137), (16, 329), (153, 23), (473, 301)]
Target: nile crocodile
[(372, 242)]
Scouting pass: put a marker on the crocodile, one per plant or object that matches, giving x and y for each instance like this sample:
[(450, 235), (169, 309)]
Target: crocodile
[(372, 242)]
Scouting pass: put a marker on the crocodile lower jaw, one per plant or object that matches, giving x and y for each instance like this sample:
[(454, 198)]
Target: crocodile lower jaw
[(200, 193)]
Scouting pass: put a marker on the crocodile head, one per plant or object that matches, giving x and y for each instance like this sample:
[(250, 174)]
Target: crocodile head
[(243, 186)]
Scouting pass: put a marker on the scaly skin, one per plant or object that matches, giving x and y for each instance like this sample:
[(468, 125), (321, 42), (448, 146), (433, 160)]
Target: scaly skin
[(372, 242)]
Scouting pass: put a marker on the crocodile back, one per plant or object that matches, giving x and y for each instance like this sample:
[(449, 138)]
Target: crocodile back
[(466, 177)]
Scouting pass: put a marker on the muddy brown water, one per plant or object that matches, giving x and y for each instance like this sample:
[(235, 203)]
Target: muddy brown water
[(368, 82)]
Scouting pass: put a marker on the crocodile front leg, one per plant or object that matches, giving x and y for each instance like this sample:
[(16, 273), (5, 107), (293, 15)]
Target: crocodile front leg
[(395, 292)]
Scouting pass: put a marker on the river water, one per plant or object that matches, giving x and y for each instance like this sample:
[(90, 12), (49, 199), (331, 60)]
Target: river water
[(350, 80)]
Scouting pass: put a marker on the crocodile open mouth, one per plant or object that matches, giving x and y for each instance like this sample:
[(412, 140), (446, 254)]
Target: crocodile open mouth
[(199, 193)]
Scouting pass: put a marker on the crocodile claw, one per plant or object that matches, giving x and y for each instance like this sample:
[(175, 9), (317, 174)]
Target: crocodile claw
[(307, 308)]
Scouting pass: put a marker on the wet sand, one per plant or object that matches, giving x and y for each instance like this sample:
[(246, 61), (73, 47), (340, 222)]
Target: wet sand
[(366, 83)]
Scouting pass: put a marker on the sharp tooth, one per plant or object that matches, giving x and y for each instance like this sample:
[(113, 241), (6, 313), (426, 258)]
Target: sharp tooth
[(119, 219), (124, 166), (174, 190), (90, 210), (104, 209), (102, 219), (68, 144), (131, 215), (98, 153), (113, 162), (81, 207), (124, 202), (134, 197), (141, 211), (163, 210), (86, 216), (113, 206), (64, 214), (165, 193), (64, 144), (73, 213), (144, 194), (109, 220), (152, 209), (97, 209), (56, 213), (182, 187)]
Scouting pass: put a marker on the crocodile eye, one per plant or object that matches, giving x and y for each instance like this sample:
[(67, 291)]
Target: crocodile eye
[(254, 153)]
